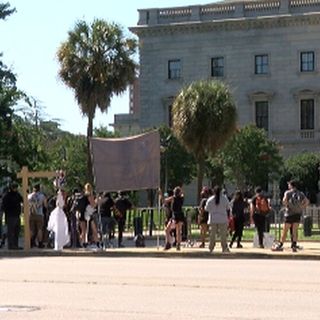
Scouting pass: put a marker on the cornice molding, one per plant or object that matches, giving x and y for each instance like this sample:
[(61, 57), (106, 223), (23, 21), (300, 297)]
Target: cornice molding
[(229, 24), (258, 95)]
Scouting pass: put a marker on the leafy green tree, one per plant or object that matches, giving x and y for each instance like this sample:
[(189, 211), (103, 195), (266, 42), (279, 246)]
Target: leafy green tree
[(9, 95), (5, 10), (96, 63), (214, 171), (177, 165), (251, 159), (303, 167), (204, 118), (103, 132)]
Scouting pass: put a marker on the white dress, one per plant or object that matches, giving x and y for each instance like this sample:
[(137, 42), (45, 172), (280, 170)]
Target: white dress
[(58, 224)]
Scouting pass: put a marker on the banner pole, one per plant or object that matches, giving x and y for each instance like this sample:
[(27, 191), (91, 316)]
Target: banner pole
[(159, 221)]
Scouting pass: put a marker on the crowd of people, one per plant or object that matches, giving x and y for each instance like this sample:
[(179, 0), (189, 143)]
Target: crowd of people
[(80, 220), (85, 219), (219, 214)]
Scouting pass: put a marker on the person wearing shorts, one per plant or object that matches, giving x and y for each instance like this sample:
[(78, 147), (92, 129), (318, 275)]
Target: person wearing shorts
[(292, 217)]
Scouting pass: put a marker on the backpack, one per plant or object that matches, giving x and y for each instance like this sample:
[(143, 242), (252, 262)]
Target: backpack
[(139, 241), (262, 205), (295, 202), (79, 204)]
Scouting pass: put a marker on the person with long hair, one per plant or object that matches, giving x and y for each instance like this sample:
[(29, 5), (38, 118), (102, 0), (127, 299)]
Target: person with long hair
[(88, 220), (203, 215), (217, 206), (176, 203), (238, 206), (259, 208)]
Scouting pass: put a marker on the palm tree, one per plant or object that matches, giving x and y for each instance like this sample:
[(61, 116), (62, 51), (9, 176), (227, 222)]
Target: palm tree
[(204, 117), (96, 62)]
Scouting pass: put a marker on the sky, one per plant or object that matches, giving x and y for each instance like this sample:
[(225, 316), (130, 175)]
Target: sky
[(29, 40)]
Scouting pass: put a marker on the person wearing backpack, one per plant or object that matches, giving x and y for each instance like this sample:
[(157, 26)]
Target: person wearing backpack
[(295, 202), (259, 208)]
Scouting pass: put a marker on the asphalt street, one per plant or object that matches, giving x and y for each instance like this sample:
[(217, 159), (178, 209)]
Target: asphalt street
[(102, 287)]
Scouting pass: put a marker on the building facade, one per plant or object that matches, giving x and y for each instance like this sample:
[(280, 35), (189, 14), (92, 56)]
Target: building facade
[(267, 52)]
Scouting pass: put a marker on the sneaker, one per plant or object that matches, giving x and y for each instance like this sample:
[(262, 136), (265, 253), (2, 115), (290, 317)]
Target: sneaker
[(167, 246), (202, 245), (261, 246), (230, 245), (277, 247), (294, 249), (226, 250), (239, 246), (178, 247)]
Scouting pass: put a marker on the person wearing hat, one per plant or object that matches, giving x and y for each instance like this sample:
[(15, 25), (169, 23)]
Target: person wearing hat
[(11, 206)]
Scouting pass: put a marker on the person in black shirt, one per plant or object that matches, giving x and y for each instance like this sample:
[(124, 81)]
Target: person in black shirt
[(106, 205), (176, 203), (122, 204), (11, 206), (238, 206)]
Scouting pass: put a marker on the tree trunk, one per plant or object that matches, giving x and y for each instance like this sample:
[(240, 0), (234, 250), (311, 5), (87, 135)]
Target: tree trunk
[(90, 178), (200, 175)]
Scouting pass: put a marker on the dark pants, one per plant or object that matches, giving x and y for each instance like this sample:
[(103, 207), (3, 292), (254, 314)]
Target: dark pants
[(13, 225), (74, 228), (238, 230), (121, 224), (260, 223)]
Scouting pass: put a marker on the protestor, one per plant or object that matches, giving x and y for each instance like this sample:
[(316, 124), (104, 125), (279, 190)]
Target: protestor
[(237, 208), (11, 206), (259, 208), (218, 206), (58, 223), (38, 205), (295, 202), (169, 223), (203, 215), (122, 204), (90, 223), (107, 221), (176, 222)]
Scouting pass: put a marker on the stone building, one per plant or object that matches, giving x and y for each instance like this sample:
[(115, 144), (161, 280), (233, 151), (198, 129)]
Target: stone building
[(266, 51)]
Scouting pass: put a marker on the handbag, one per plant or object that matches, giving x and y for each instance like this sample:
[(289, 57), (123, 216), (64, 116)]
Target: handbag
[(231, 224)]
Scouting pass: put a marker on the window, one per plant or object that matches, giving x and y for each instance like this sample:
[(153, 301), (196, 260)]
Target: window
[(261, 64), (262, 114), (307, 114), (174, 69), (307, 61), (217, 67)]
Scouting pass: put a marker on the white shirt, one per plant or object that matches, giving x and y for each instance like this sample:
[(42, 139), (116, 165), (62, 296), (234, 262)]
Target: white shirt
[(217, 212)]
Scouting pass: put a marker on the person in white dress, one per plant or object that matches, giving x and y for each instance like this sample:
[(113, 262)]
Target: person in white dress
[(58, 224)]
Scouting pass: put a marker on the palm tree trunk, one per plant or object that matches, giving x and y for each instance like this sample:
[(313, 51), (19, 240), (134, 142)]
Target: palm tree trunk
[(89, 158), (200, 174)]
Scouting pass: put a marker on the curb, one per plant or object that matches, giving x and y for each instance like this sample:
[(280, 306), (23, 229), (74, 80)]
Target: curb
[(159, 253)]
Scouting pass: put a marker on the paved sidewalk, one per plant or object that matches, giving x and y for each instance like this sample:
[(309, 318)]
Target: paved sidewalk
[(154, 248)]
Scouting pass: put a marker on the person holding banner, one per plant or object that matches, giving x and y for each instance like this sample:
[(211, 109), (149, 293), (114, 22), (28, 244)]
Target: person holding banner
[(122, 204)]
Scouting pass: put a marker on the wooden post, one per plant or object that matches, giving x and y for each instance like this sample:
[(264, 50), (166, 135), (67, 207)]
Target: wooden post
[(24, 174)]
